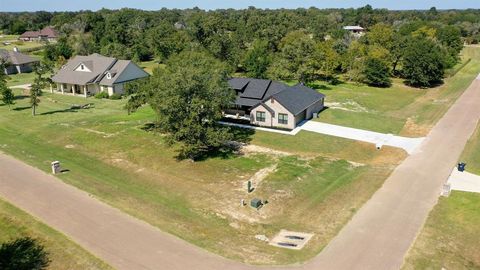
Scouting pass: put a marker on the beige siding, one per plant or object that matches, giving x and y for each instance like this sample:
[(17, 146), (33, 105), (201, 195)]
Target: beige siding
[(268, 116)]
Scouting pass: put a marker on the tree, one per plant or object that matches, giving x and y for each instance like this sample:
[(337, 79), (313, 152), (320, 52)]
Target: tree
[(292, 60), (257, 59), (39, 83), (325, 60), (8, 97), (423, 62), (188, 97), (23, 254), (377, 73)]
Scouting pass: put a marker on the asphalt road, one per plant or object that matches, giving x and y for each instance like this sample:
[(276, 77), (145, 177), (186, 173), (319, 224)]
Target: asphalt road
[(377, 237)]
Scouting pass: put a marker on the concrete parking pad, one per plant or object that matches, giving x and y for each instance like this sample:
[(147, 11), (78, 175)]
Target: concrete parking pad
[(464, 181)]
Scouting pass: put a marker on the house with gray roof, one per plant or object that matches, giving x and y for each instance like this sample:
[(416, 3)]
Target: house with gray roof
[(269, 103), (88, 75), (16, 62)]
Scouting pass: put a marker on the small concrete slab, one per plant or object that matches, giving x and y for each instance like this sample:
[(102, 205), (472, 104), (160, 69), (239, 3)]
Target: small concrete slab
[(464, 181), (291, 240)]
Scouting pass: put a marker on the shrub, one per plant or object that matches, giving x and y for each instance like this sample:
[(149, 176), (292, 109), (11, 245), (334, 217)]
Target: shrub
[(22, 254), (101, 95), (115, 96)]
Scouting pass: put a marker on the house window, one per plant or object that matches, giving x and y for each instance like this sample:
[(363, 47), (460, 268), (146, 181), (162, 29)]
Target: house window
[(260, 116), (82, 67), (283, 118)]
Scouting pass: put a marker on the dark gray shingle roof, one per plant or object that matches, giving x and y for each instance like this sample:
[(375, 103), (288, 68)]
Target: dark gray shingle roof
[(253, 92), (297, 98)]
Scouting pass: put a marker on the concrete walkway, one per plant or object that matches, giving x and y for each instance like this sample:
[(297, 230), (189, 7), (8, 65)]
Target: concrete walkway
[(22, 86), (378, 236), (464, 181)]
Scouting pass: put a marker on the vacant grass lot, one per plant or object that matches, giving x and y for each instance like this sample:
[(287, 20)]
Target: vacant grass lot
[(313, 183), (450, 238), (400, 109), (63, 253)]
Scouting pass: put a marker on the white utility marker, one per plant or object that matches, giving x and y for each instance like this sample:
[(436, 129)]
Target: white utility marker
[(464, 181)]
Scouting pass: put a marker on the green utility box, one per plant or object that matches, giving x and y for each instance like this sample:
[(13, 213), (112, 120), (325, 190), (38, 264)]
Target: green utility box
[(256, 203)]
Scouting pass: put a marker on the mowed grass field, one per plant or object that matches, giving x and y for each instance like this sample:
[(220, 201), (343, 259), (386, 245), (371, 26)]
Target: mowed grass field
[(14, 42), (450, 238), (313, 183), (400, 109), (63, 253)]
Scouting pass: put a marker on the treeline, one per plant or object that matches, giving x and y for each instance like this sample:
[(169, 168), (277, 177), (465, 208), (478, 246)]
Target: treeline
[(301, 44)]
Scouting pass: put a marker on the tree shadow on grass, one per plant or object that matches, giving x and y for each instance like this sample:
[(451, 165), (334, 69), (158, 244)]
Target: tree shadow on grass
[(59, 111), (22, 108), (19, 97)]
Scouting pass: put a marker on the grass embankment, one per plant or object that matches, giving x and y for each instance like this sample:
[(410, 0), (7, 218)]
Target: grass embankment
[(400, 109), (63, 253), (450, 238), (317, 185)]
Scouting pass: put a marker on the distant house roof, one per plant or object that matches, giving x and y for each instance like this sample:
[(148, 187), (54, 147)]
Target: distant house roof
[(30, 34), (99, 67), (48, 32), (353, 28), (16, 58), (253, 92)]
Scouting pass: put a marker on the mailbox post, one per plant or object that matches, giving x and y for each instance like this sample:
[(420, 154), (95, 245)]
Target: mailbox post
[(56, 167)]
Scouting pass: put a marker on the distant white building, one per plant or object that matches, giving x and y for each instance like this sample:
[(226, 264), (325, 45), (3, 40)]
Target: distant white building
[(355, 30)]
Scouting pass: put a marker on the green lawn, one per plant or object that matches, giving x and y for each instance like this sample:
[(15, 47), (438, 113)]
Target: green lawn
[(471, 153), (21, 45), (148, 66), (110, 156), (399, 109), (451, 236), (63, 253)]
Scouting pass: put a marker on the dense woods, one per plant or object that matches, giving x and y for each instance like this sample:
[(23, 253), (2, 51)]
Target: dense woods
[(301, 44)]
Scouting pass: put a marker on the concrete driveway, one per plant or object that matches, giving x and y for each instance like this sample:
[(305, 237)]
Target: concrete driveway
[(378, 236), (464, 181), (379, 139)]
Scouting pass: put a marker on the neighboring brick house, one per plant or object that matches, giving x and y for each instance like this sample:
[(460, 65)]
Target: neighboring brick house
[(273, 104), (48, 33), (88, 75), (17, 62)]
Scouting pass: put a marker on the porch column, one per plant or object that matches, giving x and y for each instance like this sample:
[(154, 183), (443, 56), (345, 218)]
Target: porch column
[(51, 88), (61, 88), (72, 87), (85, 91)]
